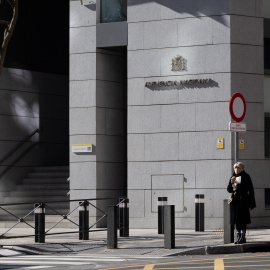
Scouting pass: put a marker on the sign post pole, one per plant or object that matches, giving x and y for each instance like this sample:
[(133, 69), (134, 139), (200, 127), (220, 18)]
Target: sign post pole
[(235, 147), (238, 111)]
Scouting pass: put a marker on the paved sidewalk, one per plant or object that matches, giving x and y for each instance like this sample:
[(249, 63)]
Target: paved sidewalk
[(142, 242)]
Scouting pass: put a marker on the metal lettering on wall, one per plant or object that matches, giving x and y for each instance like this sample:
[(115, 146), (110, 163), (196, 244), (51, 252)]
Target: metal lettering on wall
[(176, 83)]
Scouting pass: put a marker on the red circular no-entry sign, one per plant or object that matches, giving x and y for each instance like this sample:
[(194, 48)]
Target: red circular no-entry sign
[(237, 107)]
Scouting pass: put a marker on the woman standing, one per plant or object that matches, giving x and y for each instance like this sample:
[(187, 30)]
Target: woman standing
[(242, 199)]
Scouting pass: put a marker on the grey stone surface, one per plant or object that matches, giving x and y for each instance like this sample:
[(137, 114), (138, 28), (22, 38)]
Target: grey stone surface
[(109, 121), (213, 173), (161, 146), (160, 34), (252, 8), (139, 174), (178, 117), (170, 9), (168, 181), (109, 94), (135, 37), (251, 59), (109, 148), (109, 66), (136, 147), (246, 30), (203, 31), (203, 145), (82, 40), (254, 116), (258, 175), (254, 147), (82, 94), (82, 121), (212, 116), (113, 34), (110, 176), (247, 84), (80, 68), (151, 119), (136, 203), (139, 10), (185, 168), (83, 176), (81, 16)]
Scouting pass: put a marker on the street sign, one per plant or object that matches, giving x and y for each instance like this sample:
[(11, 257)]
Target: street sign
[(238, 127), (82, 148), (237, 107)]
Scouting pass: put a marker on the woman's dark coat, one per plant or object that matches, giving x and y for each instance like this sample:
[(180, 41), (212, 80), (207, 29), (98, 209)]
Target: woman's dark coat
[(243, 200)]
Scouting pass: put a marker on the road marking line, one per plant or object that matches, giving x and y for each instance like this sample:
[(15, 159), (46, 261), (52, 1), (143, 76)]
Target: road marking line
[(149, 267), (38, 267), (62, 259), (219, 264), (3, 262), (255, 265)]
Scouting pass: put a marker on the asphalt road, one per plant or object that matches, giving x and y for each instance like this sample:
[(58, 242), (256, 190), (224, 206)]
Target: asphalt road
[(244, 261)]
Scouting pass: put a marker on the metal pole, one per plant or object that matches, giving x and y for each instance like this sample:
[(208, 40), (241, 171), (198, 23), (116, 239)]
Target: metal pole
[(228, 228), (39, 223), (112, 227), (84, 220), (124, 218), (162, 201), (235, 147), (169, 226), (199, 212)]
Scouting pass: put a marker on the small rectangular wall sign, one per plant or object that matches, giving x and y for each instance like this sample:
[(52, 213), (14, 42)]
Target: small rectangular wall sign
[(241, 144), (82, 148), (220, 143)]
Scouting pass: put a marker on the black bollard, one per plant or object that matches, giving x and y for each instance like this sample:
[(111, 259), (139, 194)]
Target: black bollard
[(39, 223), (84, 220), (199, 212), (228, 228), (169, 226), (112, 227), (162, 201), (124, 218)]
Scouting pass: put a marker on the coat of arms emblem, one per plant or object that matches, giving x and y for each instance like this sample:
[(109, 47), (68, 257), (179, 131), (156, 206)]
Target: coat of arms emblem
[(178, 63)]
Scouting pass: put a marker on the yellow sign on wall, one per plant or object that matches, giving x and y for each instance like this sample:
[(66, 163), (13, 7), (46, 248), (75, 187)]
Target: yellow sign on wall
[(220, 143), (241, 144)]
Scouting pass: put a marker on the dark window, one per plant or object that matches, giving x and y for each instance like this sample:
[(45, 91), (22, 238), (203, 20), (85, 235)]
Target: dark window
[(267, 53), (267, 136), (113, 11), (267, 198)]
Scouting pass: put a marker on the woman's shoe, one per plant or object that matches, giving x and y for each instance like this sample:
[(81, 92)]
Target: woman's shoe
[(238, 236), (242, 239)]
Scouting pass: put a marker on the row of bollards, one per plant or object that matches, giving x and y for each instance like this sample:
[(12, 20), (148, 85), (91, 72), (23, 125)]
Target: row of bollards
[(166, 221), (199, 213), (112, 216)]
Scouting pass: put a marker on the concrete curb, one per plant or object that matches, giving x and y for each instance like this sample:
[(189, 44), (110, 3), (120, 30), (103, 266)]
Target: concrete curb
[(226, 249)]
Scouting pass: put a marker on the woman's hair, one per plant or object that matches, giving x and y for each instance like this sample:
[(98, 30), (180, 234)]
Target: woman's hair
[(240, 165)]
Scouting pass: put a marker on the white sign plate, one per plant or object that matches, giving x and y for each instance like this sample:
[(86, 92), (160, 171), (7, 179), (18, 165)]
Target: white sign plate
[(238, 127), (82, 148)]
